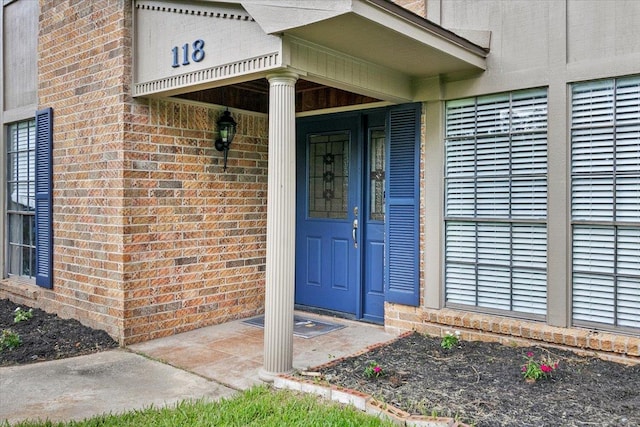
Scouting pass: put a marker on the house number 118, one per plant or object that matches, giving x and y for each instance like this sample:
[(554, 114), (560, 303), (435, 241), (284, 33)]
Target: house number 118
[(197, 54)]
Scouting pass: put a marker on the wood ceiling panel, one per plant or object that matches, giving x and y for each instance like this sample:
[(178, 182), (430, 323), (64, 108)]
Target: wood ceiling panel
[(254, 96)]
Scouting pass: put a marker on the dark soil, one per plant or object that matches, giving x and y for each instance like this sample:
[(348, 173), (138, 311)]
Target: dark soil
[(48, 337), (477, 383), (482, 384)]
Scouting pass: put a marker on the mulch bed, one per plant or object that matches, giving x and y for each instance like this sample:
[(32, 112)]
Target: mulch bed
[(482, 384), (48, 337), (477, 383)]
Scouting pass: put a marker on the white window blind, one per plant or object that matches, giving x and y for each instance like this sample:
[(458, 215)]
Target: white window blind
[(496, 201), (605, 170), (21, 198), (21, 166)]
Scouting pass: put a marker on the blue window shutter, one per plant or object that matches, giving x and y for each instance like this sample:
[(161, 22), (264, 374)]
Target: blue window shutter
[(44, 198), (402, 226)]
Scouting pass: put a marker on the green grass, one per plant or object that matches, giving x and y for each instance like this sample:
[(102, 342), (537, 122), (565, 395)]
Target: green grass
[(258, 406)]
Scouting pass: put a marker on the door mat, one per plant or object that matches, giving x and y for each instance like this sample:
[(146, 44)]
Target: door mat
[(303, 327)]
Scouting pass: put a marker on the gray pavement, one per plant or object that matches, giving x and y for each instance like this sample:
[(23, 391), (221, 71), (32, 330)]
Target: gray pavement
[(210, 362), (113, 381)]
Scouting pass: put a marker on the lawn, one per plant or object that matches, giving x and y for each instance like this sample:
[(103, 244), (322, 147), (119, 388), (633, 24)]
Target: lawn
[(258, 406)]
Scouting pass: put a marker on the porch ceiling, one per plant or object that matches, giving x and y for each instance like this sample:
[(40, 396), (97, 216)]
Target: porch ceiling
[(254, 96)]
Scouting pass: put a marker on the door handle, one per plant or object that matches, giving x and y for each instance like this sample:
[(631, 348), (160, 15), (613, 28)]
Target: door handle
[(354, 234)]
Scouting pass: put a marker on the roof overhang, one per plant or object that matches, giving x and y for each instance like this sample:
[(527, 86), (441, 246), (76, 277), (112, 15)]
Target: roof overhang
[(371, 47), (376, 31)]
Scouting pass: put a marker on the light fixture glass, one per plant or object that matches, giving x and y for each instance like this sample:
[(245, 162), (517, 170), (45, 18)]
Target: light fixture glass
[(226, 130)]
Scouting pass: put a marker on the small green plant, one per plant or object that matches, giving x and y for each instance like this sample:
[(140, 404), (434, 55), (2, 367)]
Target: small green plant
[(373, 370), (9, 339), (19, 314), (450, 340), (534, 369)]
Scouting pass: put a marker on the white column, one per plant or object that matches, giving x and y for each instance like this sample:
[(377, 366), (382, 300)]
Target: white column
[(281, 227)]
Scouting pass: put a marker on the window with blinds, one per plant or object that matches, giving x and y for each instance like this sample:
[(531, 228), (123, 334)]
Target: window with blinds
[(496, 202), (605, 205), (21, 199)]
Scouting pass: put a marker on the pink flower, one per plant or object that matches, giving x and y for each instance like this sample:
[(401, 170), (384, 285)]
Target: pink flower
[(546, 368), (530, 354), (377, 369)]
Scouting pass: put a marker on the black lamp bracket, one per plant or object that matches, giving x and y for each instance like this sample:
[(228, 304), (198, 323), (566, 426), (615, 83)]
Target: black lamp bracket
[(227, 129), (223, 146)]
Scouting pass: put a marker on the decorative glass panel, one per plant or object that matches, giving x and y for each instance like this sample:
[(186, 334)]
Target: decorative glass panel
[(328, 175), (376, 174)]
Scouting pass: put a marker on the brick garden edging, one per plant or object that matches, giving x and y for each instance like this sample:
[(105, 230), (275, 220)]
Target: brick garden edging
[(359, 400), (363, 402)]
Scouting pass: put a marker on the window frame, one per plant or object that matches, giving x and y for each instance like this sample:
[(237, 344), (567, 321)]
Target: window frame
[(599, 130), (10, 154), (486, 118)]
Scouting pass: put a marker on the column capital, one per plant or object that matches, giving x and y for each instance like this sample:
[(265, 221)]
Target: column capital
[(284, 76)]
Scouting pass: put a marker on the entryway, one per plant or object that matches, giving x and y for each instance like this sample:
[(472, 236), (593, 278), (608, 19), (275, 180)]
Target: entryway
[(340, 220), (232, 353)]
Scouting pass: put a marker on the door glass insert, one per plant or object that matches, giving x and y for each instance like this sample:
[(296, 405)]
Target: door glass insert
[(376, 174), (328, 175)]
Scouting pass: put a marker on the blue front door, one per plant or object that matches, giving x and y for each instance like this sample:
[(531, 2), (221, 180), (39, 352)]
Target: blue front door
[(340, 214)]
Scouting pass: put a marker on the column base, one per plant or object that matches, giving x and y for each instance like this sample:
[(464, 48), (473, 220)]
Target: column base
[(268, 376)]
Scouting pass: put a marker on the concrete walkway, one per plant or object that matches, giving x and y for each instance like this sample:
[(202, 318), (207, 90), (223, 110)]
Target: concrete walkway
[(80, 387), (211, 362)]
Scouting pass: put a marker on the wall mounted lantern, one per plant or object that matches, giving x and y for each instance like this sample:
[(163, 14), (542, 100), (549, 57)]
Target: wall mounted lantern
[(226, 130)]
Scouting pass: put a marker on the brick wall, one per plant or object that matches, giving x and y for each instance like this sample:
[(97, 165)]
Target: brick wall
[(419, 7), (195, 236), (84, 62), (151, 236), (510, 331)]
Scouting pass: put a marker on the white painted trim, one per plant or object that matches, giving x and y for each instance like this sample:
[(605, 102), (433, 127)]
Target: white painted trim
[(247, 67), (336, 69), (192, 9), (19, 114), (432, 190), (275, 17), (357, 107)]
